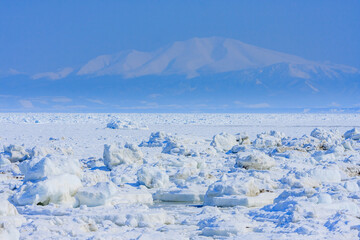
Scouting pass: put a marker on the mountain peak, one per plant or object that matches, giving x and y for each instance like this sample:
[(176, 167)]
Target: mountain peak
[(198, 56), (192, 58)]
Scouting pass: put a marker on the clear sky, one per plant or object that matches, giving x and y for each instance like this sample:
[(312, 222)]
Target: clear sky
[(39, 35)]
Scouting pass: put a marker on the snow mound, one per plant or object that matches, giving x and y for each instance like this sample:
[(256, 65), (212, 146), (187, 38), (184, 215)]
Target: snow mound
[(55, 189), (224, 141), (152, 177), (51, 165), (256, 160), (114, 155)]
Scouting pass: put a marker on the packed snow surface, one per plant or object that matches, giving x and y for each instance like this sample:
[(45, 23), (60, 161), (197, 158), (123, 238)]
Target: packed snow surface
[(180, 176)]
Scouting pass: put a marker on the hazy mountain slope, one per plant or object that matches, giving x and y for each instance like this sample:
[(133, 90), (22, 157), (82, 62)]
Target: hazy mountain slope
[(200, 74), (201, 56)]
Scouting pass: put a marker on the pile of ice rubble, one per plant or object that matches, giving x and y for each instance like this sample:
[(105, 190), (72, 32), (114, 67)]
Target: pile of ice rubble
[(122, 124), (271, 184)]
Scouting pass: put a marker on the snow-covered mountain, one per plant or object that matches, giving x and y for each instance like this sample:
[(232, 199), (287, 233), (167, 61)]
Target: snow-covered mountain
[(199, 74), (203, 56)]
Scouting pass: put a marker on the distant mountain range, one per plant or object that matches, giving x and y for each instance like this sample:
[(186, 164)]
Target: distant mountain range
[(197, 57), (198, 72)]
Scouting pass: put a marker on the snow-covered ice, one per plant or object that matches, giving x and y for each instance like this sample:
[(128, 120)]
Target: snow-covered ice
[(179, 176)]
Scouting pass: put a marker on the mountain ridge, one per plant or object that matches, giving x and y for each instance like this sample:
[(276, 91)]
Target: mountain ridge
[(198, 56), (197, 74)]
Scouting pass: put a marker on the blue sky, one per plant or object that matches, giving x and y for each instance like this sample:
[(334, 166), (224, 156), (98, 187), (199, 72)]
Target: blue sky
[(38, 36), (47, 36)]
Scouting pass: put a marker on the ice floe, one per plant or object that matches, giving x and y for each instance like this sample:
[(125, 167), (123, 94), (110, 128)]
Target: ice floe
[(193, 176)]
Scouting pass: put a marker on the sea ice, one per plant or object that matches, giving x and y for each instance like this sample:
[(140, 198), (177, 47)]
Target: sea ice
[(153, 177), (224, 141), (128, 154), (283, 180), (51, 165), (255, 160), (59, 189)]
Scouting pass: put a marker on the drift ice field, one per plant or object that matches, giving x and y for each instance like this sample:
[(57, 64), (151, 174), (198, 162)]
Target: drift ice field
[(180, 176)]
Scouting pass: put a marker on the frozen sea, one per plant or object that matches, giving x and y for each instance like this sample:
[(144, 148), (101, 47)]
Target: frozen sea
[(179, 176)]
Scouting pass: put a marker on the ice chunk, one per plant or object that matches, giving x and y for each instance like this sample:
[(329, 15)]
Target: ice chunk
[(114, 155), (186, 172), (51, 165), (147, 219), (300, 180), (93, 176), (117, 124), (268, 139), (218, 228), (305, 143), (238, 148), (7, 209), (246, 201), (9, 220), (337, 150), (326, 174), (353, 134), (4, 161), (256, 160), (351, 186), (107, 193), (224, 141), (152, 177), (347, 144), (328, 137), (43, 151), (156, 139), (97, 195), (16, 153), (130, 195), (243, 138), (55, 189), (239, 191), (324, 198), (8, 232), (181, 195), (176, 146)]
